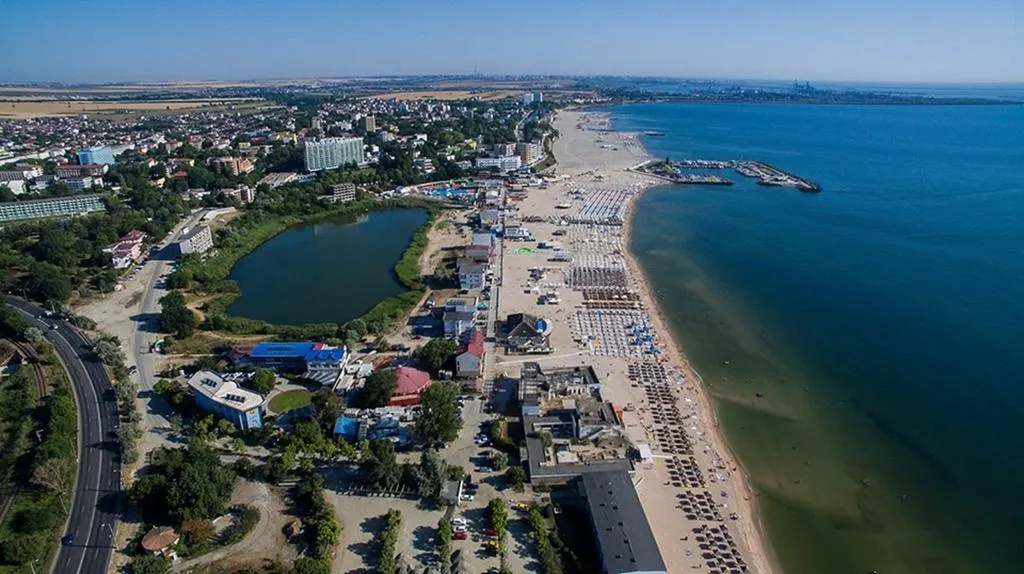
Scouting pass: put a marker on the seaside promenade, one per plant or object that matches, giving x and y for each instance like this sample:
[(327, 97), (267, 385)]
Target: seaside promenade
[(696, 497)]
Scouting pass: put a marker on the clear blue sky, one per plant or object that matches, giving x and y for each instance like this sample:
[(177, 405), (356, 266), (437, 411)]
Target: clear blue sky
[(857, 40)]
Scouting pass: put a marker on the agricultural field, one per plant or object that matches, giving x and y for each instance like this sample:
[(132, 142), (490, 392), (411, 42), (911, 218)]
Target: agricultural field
[(19, 107)]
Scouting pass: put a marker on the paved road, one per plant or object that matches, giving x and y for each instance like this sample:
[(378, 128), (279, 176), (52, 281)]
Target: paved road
[(94, 506), (147, 331)]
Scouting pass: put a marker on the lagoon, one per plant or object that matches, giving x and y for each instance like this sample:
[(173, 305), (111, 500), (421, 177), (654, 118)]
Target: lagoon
[(329, 272)]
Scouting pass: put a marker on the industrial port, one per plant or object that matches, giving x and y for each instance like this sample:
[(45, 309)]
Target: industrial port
[(766, 175)]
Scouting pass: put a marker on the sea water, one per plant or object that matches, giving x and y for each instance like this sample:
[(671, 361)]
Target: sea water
[(865, 345)]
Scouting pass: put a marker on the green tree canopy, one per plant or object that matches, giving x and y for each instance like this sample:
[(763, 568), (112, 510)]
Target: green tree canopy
[(436, 354), (262, 381), (379, 465), (439, 419), (187, 484), (327, 407), (378, 388), (47, 282), (175, 316)]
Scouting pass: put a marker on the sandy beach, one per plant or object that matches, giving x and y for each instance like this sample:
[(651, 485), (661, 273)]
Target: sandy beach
[(694, 493)]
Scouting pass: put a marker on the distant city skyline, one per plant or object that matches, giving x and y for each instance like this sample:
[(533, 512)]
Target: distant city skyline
[(76, 41)]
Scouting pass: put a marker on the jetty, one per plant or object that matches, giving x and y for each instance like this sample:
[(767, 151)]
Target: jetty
[(769, 176), (765, 174)]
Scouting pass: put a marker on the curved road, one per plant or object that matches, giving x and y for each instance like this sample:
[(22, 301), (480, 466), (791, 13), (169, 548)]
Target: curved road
[(94, 502)]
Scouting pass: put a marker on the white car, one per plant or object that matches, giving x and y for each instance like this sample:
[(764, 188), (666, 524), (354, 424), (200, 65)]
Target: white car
[(459, 521), (460, 529), (466, 498)]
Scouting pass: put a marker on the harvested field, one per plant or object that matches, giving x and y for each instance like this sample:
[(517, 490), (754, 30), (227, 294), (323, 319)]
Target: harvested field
[(23, 108)]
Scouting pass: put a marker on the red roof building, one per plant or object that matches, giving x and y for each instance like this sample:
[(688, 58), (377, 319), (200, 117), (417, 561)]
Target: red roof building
[(409, 384)]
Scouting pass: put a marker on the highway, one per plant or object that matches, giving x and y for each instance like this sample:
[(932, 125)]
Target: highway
[(94, 503)]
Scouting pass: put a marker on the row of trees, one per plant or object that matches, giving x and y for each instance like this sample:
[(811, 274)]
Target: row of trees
[(322, 528), (388, 540)]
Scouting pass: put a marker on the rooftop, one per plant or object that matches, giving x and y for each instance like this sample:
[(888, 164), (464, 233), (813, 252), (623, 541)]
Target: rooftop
[(623, 533), (225, 392), (410, 381)]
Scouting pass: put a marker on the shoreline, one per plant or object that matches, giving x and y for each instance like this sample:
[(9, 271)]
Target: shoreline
[(749, 526)]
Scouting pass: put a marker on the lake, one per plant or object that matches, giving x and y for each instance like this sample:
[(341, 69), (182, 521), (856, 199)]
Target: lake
[(326, 272)]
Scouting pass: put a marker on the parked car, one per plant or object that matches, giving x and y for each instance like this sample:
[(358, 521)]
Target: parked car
[(461, 528), (461, 535), (467, 497)]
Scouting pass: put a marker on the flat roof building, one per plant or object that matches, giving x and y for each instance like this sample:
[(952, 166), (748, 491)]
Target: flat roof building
[(197, 240), (215, 394), (53, 207), (331, 153), (624, 537), (96, 154)]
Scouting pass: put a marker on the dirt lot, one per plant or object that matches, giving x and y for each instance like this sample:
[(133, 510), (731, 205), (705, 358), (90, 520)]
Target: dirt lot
[(22, 108)]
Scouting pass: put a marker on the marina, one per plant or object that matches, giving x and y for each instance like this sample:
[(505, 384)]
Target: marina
[(766, 175)]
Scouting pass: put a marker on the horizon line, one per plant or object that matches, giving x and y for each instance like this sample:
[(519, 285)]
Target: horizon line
[(19, 83)]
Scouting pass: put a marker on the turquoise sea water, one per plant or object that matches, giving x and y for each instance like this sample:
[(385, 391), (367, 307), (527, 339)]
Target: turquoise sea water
[(880, 321), (325, 272)]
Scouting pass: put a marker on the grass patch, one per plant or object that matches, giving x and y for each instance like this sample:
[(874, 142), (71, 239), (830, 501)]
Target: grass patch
[(290, 400)]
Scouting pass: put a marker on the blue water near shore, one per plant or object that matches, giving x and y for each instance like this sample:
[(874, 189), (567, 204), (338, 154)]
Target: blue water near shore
[(864, 344)]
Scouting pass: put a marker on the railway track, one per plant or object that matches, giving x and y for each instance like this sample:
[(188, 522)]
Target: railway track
[(29, 356)]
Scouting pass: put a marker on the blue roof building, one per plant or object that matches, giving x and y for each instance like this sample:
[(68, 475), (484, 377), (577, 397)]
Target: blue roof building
[(316, 360), (346, 428)]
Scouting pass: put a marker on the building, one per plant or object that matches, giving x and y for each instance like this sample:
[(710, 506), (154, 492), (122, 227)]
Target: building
[(504, 149), (96, 155), (527, 152), (54, 207), (316, 361), (216, 394), (79, 183), (472, 275), (370, 124), (231, 165), (246, 194), (624, 538), (503, 163), (409, 383), (469, 363), (343, 192), (70, 170), (160, 541), (273, 180), (485, 239), (197, 240), (526, 333), (20, 174), (331, 153), (458, 315), (532, 98), (127, 249)]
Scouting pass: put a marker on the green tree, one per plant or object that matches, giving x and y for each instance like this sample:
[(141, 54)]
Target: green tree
[(33, 335), (310, 565), (47, 282), (327, 407), (109, 351), (262, 381), (379, 465), (516, 477), (378, 388), (436, 354), (444, 544), (175, 316), (499, 460), (58, 246), (439, 419), (432, 473), (149, 564)]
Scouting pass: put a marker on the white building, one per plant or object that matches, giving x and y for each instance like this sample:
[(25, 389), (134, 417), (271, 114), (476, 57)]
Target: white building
[(214, 393), (472, 274), (332, 153), (504, 163), (79, 183), (198, 240)]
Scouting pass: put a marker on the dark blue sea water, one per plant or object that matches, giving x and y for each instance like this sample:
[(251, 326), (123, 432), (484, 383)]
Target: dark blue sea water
[(880, 321)]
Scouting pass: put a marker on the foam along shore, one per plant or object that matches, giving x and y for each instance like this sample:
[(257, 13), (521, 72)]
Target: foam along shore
[(694, 493)]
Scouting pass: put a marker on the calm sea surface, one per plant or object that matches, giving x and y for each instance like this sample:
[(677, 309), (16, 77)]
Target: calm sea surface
[(881, 321), (327, 272)]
